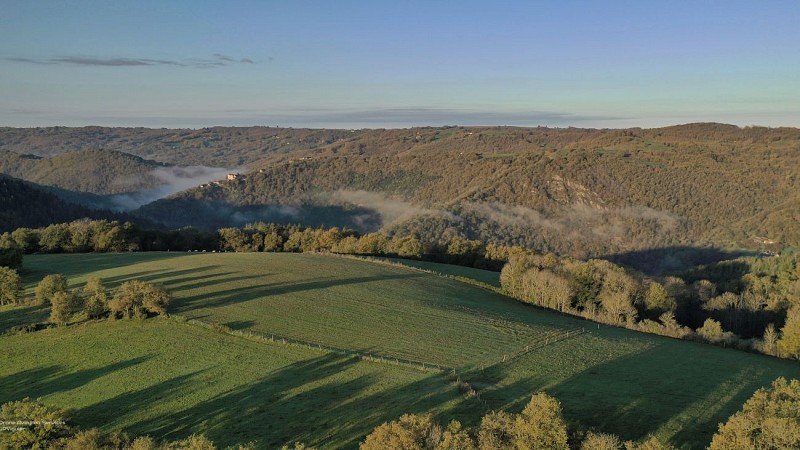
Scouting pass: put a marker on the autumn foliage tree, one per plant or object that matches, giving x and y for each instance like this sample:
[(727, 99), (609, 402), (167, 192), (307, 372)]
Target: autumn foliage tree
[(409, 432), (48, 287), (789, 342), (63, 305), (540, 426), (95, 298), (770, 419), (601, 441), (50, 426), (10, 286), (138, 299)]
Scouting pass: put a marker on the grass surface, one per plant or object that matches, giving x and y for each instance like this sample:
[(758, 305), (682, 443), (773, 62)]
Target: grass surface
[(609, 379), (345, 303), (484, 276), (169, 379)]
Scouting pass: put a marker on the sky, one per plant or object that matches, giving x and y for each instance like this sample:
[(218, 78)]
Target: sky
[(388, 64)]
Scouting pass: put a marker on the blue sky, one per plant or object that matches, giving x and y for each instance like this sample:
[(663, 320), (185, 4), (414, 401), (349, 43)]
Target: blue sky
[(374, 64)]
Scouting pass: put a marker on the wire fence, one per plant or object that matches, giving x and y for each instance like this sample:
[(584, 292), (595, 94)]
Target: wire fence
[(464, 386), (425, 366)]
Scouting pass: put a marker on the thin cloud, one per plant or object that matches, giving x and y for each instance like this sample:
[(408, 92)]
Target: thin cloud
[(222, 57), (217, 60), (405, 117), (113, 62), (28, 61)]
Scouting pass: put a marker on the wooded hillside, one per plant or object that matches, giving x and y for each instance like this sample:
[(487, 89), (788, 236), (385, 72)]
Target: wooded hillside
[(581, 192), (27, 205)]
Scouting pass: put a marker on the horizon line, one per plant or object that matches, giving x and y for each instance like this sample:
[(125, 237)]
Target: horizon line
[(677, 124)]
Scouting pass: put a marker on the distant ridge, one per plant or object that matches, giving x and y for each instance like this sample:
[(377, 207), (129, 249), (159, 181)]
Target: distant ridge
[(582, 192)]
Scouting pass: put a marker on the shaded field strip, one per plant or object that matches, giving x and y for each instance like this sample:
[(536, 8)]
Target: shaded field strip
[(462, 279), (285, 340), (540, 342), (464, 386)]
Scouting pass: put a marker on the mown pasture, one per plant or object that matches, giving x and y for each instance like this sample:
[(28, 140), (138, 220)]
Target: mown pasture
[(608, 379), (169, 379)]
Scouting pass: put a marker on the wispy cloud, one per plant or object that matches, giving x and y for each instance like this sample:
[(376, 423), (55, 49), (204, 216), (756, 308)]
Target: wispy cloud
[(216, 60), (405, 117), (29, 60)]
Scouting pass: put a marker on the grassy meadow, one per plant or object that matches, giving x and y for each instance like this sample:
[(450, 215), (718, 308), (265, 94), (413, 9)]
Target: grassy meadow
[(176, 378), (170, 379)]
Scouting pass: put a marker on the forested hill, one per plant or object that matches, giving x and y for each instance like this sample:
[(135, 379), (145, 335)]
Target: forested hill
[(24, 204), (214, 147), (574, 191), (580, 192), (102, 172)]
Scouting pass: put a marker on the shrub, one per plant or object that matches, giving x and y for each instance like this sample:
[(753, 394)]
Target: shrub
[(48, 287), (10, 286), (95, 298), (63, 306), (49, 425), (136, 299), (601, 441), (410, 432)]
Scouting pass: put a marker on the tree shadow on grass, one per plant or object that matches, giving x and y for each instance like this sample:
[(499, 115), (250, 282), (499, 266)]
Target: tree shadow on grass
[(244, 294), (188, 283), (43, 381), (240, 324), (132, 403), (310, 401), (96, 262), (11, 316), (679, 391), (153, 276)]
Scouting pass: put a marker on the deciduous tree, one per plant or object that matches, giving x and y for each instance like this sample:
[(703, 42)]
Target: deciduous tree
[(410, 432), (63, 305), (10, 286), (540, 425), (770, 419), (789, 343), (136, 299), (95, 298), (49, 286), (50, 425), (601, 441)]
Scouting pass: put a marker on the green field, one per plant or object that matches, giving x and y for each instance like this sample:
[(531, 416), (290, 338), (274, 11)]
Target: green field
[(483, 276), (609, 379), (169, 379)]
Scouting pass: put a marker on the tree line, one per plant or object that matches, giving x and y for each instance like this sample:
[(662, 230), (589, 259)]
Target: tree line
[(756, 317), (86, 235), (132, 299)]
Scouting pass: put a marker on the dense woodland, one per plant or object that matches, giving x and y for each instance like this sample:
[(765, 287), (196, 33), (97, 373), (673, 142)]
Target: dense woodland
[(577, 192), (25, 204)]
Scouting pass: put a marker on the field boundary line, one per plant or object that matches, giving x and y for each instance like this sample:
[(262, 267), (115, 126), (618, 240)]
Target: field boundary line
[(376, 260), (262, 337)]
